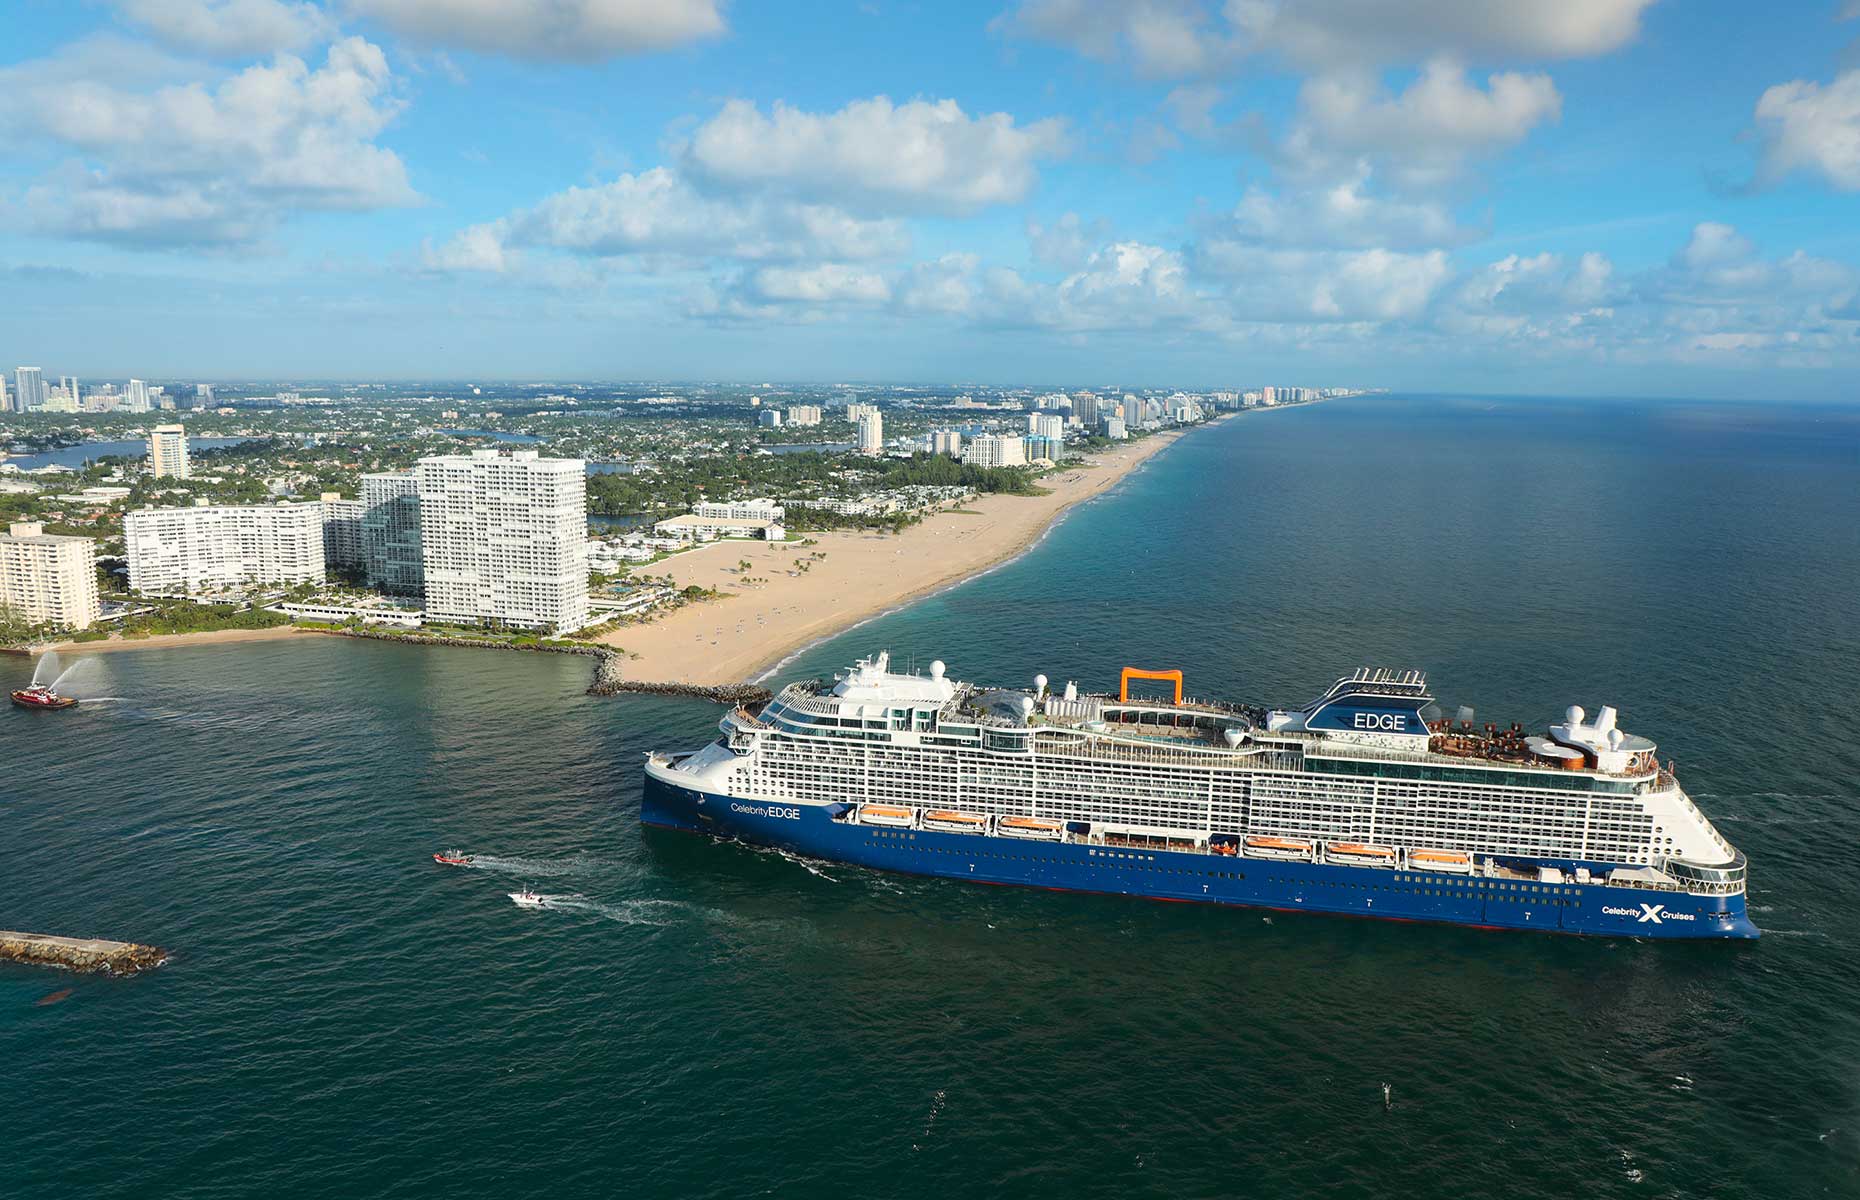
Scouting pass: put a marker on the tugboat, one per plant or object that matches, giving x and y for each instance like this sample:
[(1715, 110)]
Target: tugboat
[(41, 695), (453, 858)]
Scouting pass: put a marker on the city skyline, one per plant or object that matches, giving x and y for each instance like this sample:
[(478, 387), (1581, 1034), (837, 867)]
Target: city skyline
[(1520, 197)]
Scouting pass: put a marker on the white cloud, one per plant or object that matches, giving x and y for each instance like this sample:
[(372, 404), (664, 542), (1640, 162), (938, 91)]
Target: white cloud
[(186, 162), (822, 283), (1342, 214), (1812, 128), (231, 28), (1189, 38), (920, 156), (658, 218), (1066, 243), (548, 30), (1425, 133), (1262, 283), (1325, 32)]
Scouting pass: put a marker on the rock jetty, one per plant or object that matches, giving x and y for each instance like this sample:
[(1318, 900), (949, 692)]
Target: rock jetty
[(85, 955)]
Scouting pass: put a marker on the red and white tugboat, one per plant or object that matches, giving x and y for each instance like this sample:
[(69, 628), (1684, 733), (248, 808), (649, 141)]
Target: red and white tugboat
[(453, 858), (41, 695)]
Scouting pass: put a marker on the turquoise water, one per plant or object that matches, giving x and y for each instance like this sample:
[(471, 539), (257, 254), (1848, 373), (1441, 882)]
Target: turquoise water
[(344, 1017)]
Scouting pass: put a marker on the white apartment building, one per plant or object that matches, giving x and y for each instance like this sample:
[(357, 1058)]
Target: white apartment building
[(214, 546), (342, 532), (740, 510), (858, 412), (1046, 425), (996, 450), (137, 398), (504, 538), (48, 579), (804, 414), (871, 433), (168, 452), (769, 418), (946, 441)]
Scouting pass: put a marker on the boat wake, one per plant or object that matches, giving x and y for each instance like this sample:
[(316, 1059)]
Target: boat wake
[(541, 868), (654, 913)]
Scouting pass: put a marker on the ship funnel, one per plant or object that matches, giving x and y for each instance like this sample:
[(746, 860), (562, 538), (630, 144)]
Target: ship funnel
[(1464, 715), (1605, 720), (1072, 689)]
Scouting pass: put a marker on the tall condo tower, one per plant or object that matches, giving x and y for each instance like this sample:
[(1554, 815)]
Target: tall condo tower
[(504, 538), (168, 452)]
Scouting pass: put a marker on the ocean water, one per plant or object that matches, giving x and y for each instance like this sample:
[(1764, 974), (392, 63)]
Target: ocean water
[(343, 1017)]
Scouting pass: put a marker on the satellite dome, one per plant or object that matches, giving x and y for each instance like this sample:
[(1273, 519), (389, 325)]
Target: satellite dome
[(936, 669), (1039, 684), (1574, 715)]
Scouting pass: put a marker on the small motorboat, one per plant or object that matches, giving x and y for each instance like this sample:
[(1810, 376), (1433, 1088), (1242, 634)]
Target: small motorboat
[(527, 899), (453, 858), (40, 695)]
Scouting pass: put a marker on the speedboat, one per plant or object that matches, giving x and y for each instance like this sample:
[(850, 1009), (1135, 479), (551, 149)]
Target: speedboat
[(40, 695), (453, 858), (526, 899)]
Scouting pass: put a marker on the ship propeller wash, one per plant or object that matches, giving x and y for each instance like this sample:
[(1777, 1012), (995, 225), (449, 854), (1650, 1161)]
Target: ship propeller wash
[(1354, 804)]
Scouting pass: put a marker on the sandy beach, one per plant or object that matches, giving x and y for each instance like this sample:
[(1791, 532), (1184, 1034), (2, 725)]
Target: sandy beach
[(169, 641), (863, 574)]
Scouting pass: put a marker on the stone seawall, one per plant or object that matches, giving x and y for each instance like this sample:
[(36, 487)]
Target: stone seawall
[(84, 955)]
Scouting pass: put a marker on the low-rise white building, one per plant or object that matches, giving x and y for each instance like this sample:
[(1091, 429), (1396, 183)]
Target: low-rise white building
[(212, 546), (48, 579), (739, 510), (996, 450)]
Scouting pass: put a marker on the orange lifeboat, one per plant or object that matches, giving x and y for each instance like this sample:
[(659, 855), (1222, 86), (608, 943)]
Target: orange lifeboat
[(888, 815), (1440, 860), (951, 821), (1274, 847), (1030, 827), (1359, 855)]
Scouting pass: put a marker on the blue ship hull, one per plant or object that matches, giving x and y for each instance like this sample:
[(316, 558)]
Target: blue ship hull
[(1593, 910)]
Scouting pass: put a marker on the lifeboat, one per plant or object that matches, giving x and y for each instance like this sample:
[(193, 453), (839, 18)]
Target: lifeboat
[(1440, 860), (951, 821), (1030, 827), (41, 696), (1358, 855), (452, 858), (888, 815), (1273, 847)]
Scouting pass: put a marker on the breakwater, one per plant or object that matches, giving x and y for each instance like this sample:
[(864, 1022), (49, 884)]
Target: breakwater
[(80, 954), (608, 681)]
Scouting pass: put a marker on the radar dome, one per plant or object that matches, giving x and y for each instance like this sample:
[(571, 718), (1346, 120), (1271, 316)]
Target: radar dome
[(936, 669), (1575, 714), (1026, 706), (1039, 684), (1615, 738)]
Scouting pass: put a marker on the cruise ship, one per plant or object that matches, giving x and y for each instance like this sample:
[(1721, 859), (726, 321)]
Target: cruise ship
[(1356, 804)]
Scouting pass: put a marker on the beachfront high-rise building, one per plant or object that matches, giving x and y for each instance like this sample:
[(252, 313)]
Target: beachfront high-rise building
[(47, 579), (1046, 425), (1085, 408), (213, 546), (996, 450), (342, 533), (504, 538), (804, 414), (391, 533), (872, 433), (28, 389), (168, 452)]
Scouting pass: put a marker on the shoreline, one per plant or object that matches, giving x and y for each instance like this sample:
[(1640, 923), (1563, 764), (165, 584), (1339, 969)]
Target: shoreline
[(754, 631), (171, 641)]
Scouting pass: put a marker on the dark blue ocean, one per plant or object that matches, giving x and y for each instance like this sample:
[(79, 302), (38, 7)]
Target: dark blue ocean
[(342, 1017)]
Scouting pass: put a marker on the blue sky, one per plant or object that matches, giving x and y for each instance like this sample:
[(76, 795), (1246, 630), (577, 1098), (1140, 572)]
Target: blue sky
[(1593, 196)]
